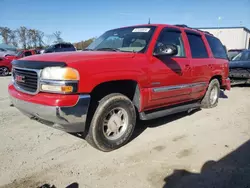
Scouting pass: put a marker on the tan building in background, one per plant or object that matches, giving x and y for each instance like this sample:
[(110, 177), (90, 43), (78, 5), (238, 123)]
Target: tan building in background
[(231, 37)]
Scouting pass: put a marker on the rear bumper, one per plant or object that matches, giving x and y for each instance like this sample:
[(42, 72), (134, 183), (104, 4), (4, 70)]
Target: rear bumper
[(66, 118), (226, 84)]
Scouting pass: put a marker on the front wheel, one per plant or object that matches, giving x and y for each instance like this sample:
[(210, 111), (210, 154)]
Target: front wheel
[(4, 71), (113, 123), (211, 97)]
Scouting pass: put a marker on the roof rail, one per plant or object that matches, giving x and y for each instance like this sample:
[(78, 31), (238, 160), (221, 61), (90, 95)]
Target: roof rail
[(183, 25)]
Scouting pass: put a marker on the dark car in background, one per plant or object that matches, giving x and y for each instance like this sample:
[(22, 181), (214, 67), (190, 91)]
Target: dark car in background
[(60, 47), (240, 68), (233, 52)]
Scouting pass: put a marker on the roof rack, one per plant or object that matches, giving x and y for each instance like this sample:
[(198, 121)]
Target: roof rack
[(185, 26)]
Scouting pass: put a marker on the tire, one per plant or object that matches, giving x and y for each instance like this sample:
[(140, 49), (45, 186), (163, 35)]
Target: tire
[(211, 97), (4, 71), (112, 135)]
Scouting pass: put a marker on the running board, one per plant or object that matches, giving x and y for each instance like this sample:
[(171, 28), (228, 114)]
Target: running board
[(148, 115)]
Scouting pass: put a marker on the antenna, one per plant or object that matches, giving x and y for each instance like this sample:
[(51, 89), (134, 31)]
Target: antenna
[(148, 20)]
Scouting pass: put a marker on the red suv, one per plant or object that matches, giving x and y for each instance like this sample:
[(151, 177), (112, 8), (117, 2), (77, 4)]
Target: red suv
[(143, 72)]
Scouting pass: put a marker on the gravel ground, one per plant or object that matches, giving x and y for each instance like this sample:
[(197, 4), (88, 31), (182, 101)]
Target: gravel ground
[(167, 152)]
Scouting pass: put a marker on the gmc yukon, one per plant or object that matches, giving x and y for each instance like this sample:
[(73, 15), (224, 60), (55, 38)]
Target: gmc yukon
[(139, 72)]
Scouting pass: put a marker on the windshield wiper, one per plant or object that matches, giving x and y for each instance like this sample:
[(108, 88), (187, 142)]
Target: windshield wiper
[(108, 49)]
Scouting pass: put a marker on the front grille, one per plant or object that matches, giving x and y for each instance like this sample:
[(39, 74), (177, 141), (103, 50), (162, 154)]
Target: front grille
[(25, 80)]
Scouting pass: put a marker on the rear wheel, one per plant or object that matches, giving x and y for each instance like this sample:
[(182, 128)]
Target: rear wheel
[(211, 97), (4, 71), (113, 122)]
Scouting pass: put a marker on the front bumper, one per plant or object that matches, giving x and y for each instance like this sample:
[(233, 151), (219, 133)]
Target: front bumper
[(67, 118)]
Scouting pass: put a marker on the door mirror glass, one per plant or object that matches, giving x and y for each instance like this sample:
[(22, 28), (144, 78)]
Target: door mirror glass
[(166, 49)]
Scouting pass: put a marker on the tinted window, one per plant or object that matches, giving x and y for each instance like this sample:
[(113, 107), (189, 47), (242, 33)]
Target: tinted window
[(216, 46), (197, 46), (27, 53), (243, 56), (66, 45), (172, 37), (58, 46)]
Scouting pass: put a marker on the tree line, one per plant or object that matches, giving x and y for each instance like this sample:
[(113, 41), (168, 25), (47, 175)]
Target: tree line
[(26, 38)]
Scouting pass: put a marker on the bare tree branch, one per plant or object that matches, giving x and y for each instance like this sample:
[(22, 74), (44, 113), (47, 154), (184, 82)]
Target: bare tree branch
[(5, 33), (58, 37), (22, 32)]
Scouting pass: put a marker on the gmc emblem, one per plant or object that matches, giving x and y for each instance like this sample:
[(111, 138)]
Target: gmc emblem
[(20, 78)]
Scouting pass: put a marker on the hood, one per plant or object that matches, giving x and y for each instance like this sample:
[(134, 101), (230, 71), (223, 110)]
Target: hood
[(79, 56), (239, 64)]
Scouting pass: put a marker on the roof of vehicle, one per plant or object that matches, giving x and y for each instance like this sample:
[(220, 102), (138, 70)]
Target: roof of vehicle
[(179, 26), (27, 50), (8, 47), (236, 50), (62, 43)]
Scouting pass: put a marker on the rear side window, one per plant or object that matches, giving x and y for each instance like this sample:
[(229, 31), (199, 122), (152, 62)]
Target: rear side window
[(216, 46), (58, 46), (197, 46), (66, 45)]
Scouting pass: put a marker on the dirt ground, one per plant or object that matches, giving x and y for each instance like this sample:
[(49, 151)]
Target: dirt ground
[(208, 148)]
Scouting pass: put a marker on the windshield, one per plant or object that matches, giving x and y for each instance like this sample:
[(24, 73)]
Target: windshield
[(130, 39), (49, 49), (232, 54), (243, 56), (19, 53)]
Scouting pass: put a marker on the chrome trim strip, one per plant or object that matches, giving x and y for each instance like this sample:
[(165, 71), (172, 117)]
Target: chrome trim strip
[(176, 87), (58, 82), (38, 80)]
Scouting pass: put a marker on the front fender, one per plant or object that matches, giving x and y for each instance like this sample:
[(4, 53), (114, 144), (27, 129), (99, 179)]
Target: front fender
[(89, 82)]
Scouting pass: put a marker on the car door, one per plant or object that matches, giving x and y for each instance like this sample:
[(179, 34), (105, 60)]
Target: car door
[(170, 76), (202, 64)]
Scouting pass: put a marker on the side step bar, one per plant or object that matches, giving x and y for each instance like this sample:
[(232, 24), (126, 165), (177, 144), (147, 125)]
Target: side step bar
[(148, 115)]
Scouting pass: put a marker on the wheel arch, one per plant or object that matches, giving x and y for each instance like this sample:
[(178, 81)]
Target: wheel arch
[(218, 77), (128, 87)]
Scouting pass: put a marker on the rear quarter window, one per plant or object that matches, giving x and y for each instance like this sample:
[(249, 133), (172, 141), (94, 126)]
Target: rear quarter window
[(217, 48)]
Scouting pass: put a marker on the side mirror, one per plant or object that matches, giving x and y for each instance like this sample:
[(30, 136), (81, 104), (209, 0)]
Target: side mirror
[(166, 49)]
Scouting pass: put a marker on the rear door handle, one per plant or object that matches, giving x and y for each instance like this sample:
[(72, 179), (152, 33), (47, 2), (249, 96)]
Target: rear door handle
[(187, 67)]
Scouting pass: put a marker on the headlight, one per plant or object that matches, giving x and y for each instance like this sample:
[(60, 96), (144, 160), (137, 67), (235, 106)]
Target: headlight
[(59, 73), (59, 80)]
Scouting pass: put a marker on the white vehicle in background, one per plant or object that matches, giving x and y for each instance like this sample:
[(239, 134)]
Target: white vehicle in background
[(4, 52)]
